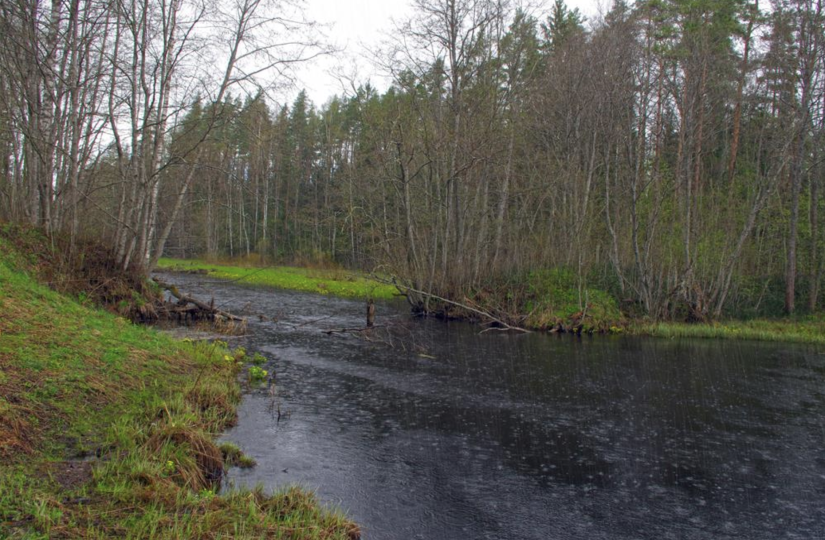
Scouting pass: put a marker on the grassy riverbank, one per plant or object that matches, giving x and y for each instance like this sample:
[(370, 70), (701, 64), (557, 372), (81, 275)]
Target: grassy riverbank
[(107, 429), (554, 300), (335, 282), (796, 330), (547, 301)]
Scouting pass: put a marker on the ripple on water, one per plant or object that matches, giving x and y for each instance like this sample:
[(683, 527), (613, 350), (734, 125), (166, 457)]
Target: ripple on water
[(534, 436)]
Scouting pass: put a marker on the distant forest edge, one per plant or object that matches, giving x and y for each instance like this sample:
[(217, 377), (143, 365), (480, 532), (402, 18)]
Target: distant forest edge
[(665, 159)]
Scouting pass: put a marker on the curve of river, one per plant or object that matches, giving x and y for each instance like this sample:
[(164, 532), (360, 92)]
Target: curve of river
[(449, 434)]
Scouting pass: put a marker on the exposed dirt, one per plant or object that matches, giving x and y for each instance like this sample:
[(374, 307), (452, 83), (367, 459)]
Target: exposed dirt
[(72, 474)]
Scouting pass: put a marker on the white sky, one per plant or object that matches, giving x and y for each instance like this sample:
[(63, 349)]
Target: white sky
[(358, 27)]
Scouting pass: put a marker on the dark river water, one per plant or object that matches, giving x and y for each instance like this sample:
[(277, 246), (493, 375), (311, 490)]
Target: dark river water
[(449, 434)]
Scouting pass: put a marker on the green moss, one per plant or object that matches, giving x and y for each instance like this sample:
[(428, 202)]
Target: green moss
[(334, 282), (80, 381), (559, 297)]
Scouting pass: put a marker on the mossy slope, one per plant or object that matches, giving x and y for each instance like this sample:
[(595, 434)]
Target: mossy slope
[(552, 300)]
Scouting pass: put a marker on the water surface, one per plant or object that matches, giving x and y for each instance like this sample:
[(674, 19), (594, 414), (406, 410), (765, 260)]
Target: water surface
[(448, 434)]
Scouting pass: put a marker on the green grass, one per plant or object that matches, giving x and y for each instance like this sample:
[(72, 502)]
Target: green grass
[(798, 330), (334, 282), (77, 381)]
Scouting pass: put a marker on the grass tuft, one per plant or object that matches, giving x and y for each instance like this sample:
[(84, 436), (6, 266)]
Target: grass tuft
[(233, 456)]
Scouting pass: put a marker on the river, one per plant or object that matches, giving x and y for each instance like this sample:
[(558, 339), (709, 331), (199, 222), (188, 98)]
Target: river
[(450, 434)]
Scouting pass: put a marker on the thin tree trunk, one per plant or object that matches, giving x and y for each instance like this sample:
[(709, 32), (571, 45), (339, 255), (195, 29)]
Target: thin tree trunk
[(504, 197), (737, 111), (813, 286), (807, 53)]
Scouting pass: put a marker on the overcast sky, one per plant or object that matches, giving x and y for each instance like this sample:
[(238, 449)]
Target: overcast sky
[(359, 27)]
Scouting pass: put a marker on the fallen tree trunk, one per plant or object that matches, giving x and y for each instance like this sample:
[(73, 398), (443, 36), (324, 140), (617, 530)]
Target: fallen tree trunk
[(405, 290), (208, 309)]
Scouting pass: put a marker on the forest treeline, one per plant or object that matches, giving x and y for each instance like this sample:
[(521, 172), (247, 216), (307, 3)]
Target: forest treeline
[(669, 152)]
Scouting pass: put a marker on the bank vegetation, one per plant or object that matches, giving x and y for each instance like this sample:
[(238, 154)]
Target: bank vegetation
[(107, 429)]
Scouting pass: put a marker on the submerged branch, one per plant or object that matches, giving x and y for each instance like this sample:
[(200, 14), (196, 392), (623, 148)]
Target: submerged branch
[(405, 290)]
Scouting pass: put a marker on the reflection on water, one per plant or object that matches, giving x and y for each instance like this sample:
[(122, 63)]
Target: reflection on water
[(533, 436)]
